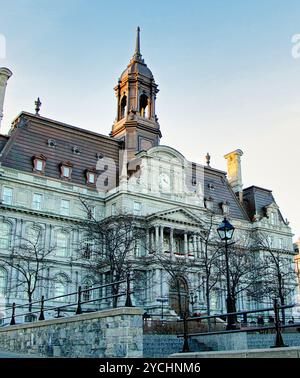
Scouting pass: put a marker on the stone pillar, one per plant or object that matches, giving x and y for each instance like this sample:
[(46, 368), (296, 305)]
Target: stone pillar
[(152, 247), (157, 238), (185, 244), (161, 239), (147, 242), (172, 241), (195, 249)]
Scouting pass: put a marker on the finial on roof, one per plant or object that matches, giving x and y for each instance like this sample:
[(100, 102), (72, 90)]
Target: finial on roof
[(37, 106), (207, 159)]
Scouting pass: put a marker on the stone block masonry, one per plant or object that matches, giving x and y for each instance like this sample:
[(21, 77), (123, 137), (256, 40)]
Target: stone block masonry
[(109, 333)]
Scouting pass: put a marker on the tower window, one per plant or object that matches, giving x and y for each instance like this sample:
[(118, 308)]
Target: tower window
[(143, 105), (123, 106)]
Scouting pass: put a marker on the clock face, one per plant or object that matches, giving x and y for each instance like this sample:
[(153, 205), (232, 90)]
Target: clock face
[(165, 182)]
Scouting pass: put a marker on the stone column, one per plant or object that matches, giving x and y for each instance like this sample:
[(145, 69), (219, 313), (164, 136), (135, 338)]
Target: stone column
[(157, 240), (172, 241), (161, 239), (195, 249), (147, 242), (185, 244), (152, 240)]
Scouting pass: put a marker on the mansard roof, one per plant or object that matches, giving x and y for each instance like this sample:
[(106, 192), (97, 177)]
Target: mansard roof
[(217, 187), (257, 199), (30, 135)]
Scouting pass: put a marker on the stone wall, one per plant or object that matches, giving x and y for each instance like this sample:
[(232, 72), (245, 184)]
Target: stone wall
[(292, 352), (266, 340), (243, 341), (109, 333)]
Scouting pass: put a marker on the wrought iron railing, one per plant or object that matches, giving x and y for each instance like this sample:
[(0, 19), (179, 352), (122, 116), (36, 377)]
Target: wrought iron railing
[(276, 325), (73, 306)]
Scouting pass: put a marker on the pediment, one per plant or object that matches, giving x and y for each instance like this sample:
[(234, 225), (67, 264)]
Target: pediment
[(177, 215)]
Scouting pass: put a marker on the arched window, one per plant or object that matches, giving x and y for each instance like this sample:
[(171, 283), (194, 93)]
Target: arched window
[(33, 235), (5, 231), (143, 105), (123, 106), (62, 244), (60, 286), (3, 281), (87, 284)]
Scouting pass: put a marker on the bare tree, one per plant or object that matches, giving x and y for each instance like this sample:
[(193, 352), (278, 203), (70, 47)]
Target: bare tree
[(245, 270), (209, 258), (177, 269), (112, 243), (279, 278), (29, 258)]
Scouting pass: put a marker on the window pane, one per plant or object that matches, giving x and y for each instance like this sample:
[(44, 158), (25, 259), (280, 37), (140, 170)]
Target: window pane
[(91, 178), (3, 281), (62, 244), (7, 195), (39, 165), (66, 171), (4, 235), (60, 287), (65, 207), (37, 201)]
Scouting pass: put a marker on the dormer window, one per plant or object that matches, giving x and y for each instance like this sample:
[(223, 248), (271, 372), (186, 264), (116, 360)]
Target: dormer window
[(225, 207), (39, 163), (91, 176), (209, 203), (66, 170)]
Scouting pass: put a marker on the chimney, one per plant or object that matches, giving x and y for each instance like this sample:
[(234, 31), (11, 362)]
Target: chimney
[(234, 172), (5, 74)]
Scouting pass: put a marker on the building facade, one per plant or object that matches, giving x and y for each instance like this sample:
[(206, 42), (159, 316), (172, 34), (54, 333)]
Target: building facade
[(48, 168)]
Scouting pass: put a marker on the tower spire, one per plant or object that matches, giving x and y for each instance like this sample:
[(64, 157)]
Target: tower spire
[(137, 53)]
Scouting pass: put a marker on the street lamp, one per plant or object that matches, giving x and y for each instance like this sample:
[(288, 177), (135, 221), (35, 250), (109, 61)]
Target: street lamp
[(193, 300), (225, 231), (162, 300)]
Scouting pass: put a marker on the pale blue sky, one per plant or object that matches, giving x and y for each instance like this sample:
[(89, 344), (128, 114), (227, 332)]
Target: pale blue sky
[(225, 71)]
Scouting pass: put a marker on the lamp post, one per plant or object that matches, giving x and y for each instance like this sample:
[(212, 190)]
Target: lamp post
[(193, 300), (162, 300), (225, 231)]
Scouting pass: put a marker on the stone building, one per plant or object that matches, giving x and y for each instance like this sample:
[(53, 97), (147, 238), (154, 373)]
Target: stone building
[(47, 166)]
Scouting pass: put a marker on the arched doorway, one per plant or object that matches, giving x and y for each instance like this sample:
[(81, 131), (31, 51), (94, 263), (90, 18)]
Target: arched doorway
[(178, 295)]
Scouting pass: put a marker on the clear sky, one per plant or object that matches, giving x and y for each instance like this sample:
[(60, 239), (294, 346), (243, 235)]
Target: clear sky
[(225, 71)]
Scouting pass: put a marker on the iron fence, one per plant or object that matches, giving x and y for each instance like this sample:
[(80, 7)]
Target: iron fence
[(73, 306), (275, 325)]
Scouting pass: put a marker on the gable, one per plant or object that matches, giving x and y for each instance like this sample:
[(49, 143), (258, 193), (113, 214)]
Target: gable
[(176, 215)]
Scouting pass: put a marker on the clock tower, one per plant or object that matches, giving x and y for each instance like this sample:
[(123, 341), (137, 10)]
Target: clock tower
[(136, 123)]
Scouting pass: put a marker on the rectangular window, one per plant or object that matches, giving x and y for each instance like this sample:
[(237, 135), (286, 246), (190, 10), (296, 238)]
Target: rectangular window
[(280, 243), (65, 207), (37, 201), (91, 177), (137, 208), (7, 195), (39, 165), (113, 209), (66, 171)]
